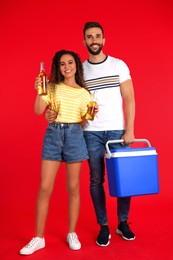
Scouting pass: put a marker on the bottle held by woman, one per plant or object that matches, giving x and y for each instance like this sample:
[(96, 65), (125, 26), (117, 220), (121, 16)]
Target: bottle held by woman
[(42, 87)]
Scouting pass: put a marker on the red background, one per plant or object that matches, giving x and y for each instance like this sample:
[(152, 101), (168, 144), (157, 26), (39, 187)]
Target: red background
[(140, 33)]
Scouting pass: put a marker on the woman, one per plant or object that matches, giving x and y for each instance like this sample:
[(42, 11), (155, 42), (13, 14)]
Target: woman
[(63, 142)]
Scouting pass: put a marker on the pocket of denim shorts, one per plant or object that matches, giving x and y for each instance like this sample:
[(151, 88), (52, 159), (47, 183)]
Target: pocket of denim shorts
[(49, 133), (75, 128), (50, 128)]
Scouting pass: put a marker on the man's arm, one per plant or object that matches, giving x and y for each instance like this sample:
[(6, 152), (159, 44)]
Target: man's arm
[(127, 93), (50, 115)]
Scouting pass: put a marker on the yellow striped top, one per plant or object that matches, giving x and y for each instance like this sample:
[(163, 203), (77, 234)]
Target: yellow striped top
[(71, 103)]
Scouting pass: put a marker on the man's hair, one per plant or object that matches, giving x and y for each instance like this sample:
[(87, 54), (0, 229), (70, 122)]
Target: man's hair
[(89, 25)]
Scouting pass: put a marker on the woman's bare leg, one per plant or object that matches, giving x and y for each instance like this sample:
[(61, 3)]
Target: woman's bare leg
[(73, 187), (48, 174)]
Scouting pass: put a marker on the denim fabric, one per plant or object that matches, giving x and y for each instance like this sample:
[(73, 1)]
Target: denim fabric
[(96, 141), (64, 142)]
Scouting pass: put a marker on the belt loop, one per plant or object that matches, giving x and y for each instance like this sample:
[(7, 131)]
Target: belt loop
[(55, 125)]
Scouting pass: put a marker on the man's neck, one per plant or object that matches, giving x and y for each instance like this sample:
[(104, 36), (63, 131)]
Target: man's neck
[(97, 58)]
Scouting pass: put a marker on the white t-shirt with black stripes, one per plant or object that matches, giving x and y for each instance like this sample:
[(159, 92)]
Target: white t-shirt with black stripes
[(104, 79)]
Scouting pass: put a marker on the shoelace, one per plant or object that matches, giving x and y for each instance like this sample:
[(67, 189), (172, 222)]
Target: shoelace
[(126, 228), (31, 243), (104, 232), (75, 238)]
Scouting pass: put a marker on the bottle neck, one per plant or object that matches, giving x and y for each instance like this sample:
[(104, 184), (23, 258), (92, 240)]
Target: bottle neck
[(93, 96), (42, 68)]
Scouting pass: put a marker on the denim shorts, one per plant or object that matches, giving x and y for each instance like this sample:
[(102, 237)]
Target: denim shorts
[(64, 142)]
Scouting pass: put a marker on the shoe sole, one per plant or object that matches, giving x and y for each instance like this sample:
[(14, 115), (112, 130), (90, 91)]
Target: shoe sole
[(125, 238), (27, 253), (104, 244), (72, 248)]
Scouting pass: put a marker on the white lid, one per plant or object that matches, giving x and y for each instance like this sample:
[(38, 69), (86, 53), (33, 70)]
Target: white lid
[(132, 153)]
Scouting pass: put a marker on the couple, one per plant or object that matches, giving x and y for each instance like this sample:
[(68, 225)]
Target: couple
[(110, 79)]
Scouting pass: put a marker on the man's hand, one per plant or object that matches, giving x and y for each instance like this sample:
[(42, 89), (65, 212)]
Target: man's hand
[(50, 115), (128, 138)]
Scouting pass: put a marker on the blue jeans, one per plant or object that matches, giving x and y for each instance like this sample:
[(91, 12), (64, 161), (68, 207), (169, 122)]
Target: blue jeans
[(96, 141)]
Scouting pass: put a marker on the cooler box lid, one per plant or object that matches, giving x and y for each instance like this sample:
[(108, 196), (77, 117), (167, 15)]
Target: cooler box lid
[(129, 152)]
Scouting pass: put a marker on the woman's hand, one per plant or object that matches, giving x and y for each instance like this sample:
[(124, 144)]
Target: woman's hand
[(96, 109), (38, 82)]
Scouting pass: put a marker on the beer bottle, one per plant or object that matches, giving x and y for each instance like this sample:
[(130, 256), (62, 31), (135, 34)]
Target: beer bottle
[(91, 108), (42, 87)]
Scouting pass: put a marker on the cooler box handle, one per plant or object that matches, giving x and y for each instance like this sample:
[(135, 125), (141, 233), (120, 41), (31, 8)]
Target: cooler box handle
[(121, 141)]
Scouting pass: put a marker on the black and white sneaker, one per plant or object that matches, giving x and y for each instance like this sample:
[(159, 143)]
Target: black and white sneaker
[(124, 230), (104, 236)]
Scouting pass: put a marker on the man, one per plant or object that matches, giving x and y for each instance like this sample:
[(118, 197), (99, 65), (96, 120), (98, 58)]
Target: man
[(110, 79)]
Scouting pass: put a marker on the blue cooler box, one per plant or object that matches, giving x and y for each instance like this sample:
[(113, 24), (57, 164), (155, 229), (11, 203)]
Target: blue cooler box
[(132, 171)]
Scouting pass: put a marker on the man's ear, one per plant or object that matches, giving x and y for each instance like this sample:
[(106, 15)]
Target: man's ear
[(104, 41), (84, 42)]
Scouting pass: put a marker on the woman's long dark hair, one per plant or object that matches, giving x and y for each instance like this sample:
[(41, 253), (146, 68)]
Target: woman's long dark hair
[(55, 75)]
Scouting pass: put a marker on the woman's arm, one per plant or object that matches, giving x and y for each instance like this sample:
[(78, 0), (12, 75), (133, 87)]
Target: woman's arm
[(40, 105)]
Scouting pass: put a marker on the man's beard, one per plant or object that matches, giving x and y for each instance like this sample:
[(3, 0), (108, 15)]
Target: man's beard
[(95, 52)]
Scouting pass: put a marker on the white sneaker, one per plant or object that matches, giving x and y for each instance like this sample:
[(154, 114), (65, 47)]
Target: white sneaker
[(35, 244), (72, 240)]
